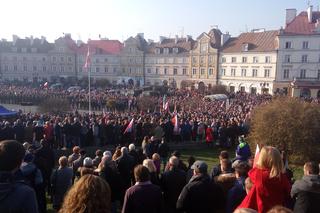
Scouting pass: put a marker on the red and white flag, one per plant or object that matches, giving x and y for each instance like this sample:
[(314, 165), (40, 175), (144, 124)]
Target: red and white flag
[(175, 123), (166, 106), (256, 156), (129, 127), (88, 59), (45, 84)]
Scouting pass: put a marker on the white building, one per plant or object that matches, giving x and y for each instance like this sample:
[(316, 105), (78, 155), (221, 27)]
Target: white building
[(298, 67), (248, 62)]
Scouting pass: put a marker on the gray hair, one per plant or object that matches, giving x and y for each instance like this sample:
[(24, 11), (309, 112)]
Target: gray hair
[(124, 150), (132, 147), (174, 161)]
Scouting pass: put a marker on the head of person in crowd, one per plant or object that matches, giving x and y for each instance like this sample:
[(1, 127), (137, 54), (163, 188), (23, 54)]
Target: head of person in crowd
[(87, 162), (82, 152), (245, 210), (124, 150), (270, 159), (132, 147), (280, 209), (199, 168), (11, 155), (76, 150), (89, 194), (176, 153), (248, 185), (99, 153), (241, 170), (310, 168), (63, 162), (191, 161), (107, 152), (225, 166), (148, 163), (224, 155), (173, 162), (156, 157), (141, 174), (116, 154)]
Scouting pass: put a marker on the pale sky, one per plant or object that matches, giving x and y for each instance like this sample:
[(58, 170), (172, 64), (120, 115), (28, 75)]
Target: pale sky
[(120, 19)]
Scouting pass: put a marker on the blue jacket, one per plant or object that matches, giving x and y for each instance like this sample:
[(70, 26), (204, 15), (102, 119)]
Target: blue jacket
[(16, 196), (235, 195)]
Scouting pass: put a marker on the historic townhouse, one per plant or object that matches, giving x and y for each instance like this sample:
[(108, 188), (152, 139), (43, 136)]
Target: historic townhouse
[(299, 54), (248, 62), (167, 62)]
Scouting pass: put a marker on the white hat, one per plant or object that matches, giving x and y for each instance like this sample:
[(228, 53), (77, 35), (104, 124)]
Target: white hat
[(87, 162), (107, 153)]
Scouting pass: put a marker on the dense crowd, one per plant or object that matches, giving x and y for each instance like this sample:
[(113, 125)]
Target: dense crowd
[(138, 172)]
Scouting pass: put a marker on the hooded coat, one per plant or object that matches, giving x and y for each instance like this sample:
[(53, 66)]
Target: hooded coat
[(307, 194)]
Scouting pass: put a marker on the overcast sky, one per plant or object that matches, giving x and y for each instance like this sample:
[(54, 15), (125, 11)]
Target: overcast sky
[(119, 19)]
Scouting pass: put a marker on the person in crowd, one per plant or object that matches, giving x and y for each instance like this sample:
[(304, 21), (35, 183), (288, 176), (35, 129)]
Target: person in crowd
[(116, 154), (237, 193), (133, 153), (61, 181), (87, 167), (306, 191), (78, 163), (201, 191), (18, 131), (243, 152), (90, 194), (245, 210), (248, 185), (98, 158), (189, 174), (157, 162), (182, 165), (163, 151), (270, 184), (279, 209), (74, 156), (154, 178), (209, 136), (219, 169), (146, 146), (15, 195), (110, 174), (143, 197), (172, 182)]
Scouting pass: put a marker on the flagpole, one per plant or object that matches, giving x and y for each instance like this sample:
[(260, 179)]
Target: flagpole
[(89, 85)]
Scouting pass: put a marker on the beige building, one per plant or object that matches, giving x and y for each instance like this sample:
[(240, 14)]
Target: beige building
[(248, 62)]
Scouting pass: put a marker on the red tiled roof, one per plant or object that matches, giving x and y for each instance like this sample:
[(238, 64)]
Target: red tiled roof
[(301, 26), (182, 44), (257, 41)]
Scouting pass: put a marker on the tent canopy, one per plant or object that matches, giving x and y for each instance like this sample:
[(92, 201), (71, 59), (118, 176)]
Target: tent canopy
[(6, 112)]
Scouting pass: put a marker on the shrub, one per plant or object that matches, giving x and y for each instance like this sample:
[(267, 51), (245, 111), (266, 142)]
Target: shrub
[(289, 124)]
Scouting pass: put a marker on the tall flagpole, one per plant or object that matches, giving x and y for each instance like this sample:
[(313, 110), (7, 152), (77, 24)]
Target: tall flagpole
[(89, 84)]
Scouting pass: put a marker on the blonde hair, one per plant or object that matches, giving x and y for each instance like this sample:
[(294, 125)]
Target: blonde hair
[(63, 161), (89, 194), (150, 165), (270, 158), (155, 157)]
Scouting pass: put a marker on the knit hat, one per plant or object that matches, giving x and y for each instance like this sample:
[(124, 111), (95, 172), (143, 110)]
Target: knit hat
[(87, 162)]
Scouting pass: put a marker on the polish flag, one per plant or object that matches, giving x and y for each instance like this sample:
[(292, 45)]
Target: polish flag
[(129, 127), (166, 106), (45, 84), (88, 59), (256, 156)]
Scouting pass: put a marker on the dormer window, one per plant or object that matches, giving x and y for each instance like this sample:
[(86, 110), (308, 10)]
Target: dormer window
[(24, 50), (33, 50), (157, 50), (245, 47), (14, 49), (175, 50)]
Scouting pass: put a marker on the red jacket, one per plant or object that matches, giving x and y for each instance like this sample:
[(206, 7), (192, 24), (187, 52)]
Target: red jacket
[(209, 135), (266, 192)]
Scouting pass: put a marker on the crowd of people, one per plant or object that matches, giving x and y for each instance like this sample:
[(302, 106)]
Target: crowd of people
[(133, 182), (134, 169)]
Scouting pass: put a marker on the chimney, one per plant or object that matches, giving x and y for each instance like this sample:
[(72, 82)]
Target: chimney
[(161, 38), (141, 35), (14, 39), (189, 37), (290, 15), (310, 13), (224, 38), (176, 39)]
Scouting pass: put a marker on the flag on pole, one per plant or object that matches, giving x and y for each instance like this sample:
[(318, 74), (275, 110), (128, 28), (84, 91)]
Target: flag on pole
[(166, 106), (129, 127), (256, 156), (175, 123), (45, 84), (164, 101), (88, 59)]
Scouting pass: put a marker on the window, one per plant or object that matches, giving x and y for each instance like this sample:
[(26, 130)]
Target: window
[(105, 69), (233, 72), (202, 71), (245, 47), (305, 45), (61, 59), (106, 60), (15, 67), (267, 59), (165, 71), (255, 59), (34, 68), (175, 71), (44, 68), (194, 60), (304, 59), (204, 48), (244, 59), (166, 51), (254, 73), (5, 67), (210, 71), (288, 45), (194, 71), (157, 50), (97, 60), (243, 72), (97, 69), (157, 71), (233, 59), (201, 59), (223, 59), (318, 74), (54, 58), (184, 71), (223, 72), (23, 49), (175, 50), (25, 58), (62, 69), (54, 68), (210, 59), (14, 58), (43, 59), (287, 58), (149, 70), (114, 70), (303, 73), (266, 73), (25, 68), (80, 69), (69, 59)]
